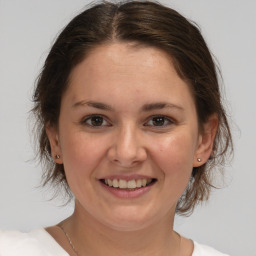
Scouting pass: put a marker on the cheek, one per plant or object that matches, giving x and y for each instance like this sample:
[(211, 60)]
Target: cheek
[(82, 152), (175, 154), (174, 157)]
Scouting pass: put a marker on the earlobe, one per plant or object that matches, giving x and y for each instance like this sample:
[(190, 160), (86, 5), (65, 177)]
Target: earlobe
[(53, 137), (206, 141)]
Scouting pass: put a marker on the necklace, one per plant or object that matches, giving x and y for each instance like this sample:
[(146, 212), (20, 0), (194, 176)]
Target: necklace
[(69, 240), (76, 252)]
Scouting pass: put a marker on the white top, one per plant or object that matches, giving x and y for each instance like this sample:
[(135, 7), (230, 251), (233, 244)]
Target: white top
[(40, 243)]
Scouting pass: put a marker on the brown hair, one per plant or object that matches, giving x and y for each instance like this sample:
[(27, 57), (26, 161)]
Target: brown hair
[(150, 24)]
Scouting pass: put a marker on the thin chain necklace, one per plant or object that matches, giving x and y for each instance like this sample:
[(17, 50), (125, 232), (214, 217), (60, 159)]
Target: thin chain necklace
[(76, 252), (69, 240)]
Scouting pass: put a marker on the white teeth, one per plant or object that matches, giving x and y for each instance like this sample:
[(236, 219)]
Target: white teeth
[(122, 184), (109, 182), (115, 183), (131, 184), (144, 182), (138, 183)]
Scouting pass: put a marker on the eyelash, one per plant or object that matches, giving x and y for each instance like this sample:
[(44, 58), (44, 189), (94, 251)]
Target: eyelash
[(165, 118), (104, 119), (85, 120)]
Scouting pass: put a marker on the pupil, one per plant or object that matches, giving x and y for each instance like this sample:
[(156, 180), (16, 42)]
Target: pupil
[(97, 121), (158, 121)]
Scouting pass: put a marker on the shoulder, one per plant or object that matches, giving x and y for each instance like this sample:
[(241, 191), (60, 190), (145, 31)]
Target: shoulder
[(34, 243), (204, 250)]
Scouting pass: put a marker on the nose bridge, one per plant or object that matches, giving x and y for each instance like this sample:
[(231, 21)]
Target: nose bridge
[(128, 147), (127, 139)]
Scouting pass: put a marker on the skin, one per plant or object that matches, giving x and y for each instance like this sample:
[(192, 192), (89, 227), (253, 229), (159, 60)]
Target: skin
[(132, 83)]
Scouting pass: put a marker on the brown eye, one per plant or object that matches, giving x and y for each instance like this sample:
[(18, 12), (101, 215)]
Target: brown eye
[(95, 121), (160, 121)]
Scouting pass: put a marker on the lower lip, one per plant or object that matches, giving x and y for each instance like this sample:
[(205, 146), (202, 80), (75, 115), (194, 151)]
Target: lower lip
[(123, 193)]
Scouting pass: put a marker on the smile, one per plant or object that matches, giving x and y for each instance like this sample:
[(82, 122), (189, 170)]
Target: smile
[(130, 184)]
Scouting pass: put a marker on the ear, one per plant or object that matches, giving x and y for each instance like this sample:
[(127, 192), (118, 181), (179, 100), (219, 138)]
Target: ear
[(206, 141), (53, 136)]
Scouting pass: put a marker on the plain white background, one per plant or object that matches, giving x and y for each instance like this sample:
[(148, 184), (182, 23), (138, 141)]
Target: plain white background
[(27, 30)]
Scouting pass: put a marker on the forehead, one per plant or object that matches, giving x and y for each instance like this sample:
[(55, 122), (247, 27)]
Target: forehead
[(125, 71), (123, 56)]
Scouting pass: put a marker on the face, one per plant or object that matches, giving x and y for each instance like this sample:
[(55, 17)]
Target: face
[(127, 136)]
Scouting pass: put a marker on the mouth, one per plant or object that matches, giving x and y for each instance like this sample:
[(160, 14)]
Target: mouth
[(133, 184)]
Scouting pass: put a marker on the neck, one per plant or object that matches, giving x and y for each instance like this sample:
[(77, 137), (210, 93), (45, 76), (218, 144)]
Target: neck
[(90, 237)]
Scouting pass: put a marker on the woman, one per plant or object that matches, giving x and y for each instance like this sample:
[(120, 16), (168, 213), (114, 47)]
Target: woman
[(131, 123)]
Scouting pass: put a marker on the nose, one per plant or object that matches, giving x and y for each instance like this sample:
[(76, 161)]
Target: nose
[(127, 148)]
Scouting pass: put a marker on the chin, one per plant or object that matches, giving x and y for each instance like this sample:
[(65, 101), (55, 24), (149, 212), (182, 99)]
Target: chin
[(128, 221)]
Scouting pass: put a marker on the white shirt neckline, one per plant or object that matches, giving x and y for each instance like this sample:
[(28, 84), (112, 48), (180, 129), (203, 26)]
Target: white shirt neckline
[(40, 242), (62, 250)]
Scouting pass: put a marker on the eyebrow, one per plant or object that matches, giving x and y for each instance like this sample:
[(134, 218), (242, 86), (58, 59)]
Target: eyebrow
[(93, 104), (144, 108), (159, 105)]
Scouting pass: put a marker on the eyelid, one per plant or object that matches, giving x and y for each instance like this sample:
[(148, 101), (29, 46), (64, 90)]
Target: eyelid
[(169, 119), (86, 118)]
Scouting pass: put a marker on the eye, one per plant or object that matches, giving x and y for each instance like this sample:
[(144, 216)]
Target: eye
[(161, 121), (95, 121)]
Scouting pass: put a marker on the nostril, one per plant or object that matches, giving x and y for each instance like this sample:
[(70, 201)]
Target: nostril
[(127, 152)]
